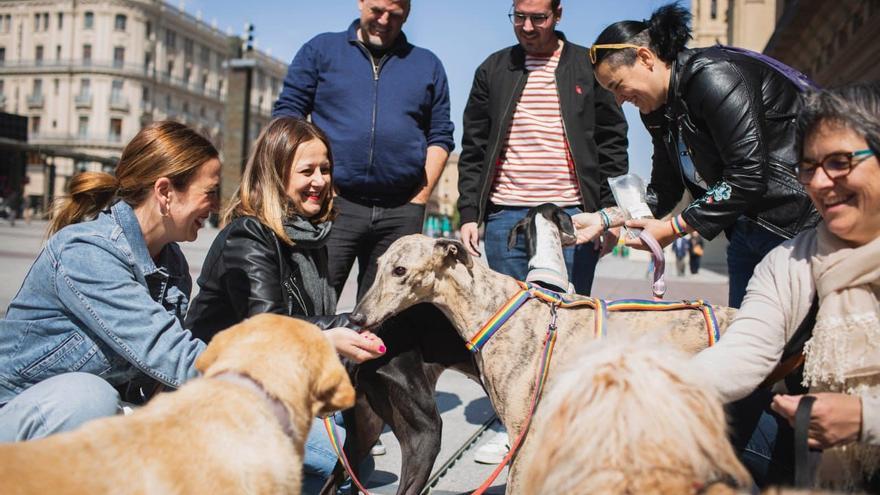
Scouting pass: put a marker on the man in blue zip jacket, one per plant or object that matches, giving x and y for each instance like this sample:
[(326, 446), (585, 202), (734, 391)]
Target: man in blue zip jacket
[(384, 103)]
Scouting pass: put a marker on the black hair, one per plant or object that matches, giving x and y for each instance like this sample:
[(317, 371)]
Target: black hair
[(855, 106), (666, 33)]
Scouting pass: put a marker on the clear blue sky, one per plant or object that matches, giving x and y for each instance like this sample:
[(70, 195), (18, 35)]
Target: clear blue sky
[(461, 32)]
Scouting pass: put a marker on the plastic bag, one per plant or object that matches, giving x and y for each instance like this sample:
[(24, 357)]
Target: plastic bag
[(629, 192)]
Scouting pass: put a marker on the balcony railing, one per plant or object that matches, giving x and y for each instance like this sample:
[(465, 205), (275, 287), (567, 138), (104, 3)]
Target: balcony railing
[(119, 103), (109, 140), (83, 100), (35, 100), (123, 69)]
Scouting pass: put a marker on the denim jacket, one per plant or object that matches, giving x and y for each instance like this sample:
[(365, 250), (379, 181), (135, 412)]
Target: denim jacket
[(94, 301)]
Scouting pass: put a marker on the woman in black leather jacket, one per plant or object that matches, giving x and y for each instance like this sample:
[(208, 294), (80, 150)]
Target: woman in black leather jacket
[(271, 256), (722, 121)]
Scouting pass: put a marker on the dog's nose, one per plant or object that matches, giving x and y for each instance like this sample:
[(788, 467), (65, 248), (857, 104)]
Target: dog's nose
[(357, 318)]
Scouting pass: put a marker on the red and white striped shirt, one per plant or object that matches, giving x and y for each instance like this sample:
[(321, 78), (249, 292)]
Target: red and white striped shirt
[(533, 167)]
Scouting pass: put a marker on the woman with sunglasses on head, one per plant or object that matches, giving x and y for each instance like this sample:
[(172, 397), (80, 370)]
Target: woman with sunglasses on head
[(834, 270), (722, 124)]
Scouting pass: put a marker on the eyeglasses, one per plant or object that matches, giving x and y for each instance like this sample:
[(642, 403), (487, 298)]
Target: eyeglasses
[(835, 165), (519, 19), (612, 46)]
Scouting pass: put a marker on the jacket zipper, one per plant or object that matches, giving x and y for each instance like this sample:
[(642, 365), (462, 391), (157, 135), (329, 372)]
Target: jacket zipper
[(484, 196), (568, 151), (376, 69)]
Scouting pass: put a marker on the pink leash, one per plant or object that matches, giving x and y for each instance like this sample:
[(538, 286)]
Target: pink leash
[(659, 285)]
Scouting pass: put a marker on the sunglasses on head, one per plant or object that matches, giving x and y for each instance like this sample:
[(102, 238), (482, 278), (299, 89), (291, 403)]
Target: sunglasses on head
[(611, 46)]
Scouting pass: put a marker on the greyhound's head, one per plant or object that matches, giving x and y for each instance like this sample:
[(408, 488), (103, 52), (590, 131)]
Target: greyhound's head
[(414, 269), (532, 226), (547, 228)]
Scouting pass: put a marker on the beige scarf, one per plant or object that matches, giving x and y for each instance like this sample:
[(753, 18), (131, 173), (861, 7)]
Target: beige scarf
[(843, 354)]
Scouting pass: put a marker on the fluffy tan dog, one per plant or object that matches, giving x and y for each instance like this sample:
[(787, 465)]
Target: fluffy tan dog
[(238, 429), (629, 418)]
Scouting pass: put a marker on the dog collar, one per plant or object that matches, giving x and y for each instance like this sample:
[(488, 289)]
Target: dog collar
[(278, 409)]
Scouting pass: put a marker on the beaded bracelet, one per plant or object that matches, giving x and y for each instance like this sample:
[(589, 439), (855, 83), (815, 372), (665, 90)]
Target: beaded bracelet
[(606, 221)]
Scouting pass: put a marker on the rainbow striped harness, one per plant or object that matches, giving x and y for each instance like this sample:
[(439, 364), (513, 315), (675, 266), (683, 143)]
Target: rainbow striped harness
[(601, 307)]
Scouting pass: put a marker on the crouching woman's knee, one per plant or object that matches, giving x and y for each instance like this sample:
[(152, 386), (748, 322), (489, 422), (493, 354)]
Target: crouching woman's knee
[(58, 404)]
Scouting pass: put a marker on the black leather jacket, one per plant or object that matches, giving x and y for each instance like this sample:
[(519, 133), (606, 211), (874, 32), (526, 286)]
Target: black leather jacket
[(594, 127), (736, 116), (248, 271)]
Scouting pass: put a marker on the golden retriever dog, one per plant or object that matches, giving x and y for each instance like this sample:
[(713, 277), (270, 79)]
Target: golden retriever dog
[(629, 418), (239, 428)]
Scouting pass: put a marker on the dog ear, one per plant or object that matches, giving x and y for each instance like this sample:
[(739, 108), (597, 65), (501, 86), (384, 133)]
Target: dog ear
[(333, 390), (447, 251), (521, 226), (214, 349), (563, 221)]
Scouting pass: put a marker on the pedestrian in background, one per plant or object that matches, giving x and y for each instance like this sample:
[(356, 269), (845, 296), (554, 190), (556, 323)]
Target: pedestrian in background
[(681, 247), (695, 251), (384, 104)]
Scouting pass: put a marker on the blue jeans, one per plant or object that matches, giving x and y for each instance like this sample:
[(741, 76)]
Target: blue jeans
[(580, 260), (320, 458), (58, 404), (749, 243)]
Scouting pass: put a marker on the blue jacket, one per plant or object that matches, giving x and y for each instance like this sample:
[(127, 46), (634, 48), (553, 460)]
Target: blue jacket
[(95, 302), (379, 124)]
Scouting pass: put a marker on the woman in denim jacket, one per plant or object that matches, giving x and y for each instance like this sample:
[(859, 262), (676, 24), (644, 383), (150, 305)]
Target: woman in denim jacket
[(103, 303), (271, 256)]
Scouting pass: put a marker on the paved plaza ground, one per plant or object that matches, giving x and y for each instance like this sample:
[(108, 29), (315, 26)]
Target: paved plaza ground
[(463, 405)]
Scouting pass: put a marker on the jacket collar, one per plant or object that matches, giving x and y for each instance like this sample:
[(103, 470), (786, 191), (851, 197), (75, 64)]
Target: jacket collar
[(679, 73), (124, 216), (399, 44), (517, 60)]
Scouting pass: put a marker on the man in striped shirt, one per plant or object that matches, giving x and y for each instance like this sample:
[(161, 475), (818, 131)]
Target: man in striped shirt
[(537, 129)]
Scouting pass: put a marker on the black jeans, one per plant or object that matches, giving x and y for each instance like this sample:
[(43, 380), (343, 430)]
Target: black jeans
[(364, 232)]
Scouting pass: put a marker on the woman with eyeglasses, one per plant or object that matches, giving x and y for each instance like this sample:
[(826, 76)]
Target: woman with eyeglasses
[(834, 270), (722, 124)]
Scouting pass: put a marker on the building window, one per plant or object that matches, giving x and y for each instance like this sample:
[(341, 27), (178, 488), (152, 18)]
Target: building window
[(119, 22), (170, 39), (145, 94), (205, 56), (83, 128), (713, 9), (60, 21), (148, 30), (85, 88), (115, 130), (56, 86), (118, 56), (87, 54), (38, 87), (188, 48), (38, 55), (116, 90), (187, 74), (45, 21), (170, 68), (35, 124), (36, 22), (89, 20), (58, 52), (2, 55)]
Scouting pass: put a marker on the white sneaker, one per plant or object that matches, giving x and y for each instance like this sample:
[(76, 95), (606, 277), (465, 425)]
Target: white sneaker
[(493, 451), (378, 449)]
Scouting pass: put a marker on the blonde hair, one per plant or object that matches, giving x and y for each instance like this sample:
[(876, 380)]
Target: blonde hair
[(262, 192), (161, 149), (628, 417)]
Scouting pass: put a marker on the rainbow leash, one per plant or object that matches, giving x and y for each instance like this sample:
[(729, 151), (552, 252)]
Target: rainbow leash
[(330, 426)]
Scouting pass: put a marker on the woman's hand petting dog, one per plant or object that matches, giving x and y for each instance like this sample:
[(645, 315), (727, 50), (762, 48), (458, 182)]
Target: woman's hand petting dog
[(358, 347), (836, 418)]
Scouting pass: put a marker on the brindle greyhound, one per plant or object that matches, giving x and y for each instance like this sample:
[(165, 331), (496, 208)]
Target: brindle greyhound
[(417, 269)]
